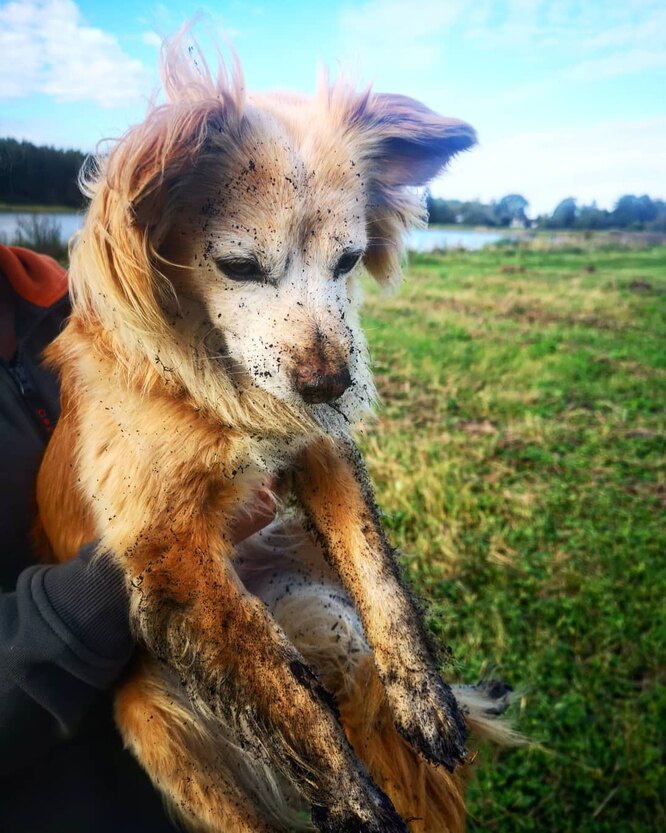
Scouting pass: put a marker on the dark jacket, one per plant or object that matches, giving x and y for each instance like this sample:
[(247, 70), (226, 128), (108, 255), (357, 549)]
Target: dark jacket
[(64, 629)]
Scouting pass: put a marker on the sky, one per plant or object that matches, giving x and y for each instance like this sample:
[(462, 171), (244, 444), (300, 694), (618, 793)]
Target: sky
[(568, 96)]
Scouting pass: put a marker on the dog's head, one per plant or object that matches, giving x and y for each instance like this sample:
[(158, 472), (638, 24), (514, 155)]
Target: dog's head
[(236, 228)]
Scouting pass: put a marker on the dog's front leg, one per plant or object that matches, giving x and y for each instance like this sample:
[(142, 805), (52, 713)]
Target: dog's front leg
[(238, 667), (333, 486)]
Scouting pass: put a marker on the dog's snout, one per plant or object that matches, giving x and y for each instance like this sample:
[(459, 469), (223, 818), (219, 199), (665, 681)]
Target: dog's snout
[(317, 386)]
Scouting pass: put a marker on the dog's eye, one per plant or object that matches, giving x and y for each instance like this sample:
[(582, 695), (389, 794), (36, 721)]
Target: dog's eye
[(241, 269), (347, 263)]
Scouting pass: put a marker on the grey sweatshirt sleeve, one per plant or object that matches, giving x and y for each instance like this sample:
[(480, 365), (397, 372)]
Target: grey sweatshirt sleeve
[(64, 637)]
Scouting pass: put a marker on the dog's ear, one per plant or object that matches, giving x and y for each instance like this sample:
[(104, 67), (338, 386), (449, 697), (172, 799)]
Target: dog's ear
[(159, 161), (404, 144), (410, 143), (131, 210), (118, 276)]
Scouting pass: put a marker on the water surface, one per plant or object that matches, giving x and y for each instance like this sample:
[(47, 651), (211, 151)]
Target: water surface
[(421, 240)]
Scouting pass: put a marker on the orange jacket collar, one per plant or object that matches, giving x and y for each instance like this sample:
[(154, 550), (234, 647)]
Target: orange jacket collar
[(38, 279)]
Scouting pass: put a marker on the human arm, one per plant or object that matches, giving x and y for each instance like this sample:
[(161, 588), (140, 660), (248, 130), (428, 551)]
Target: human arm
[(65, 638)]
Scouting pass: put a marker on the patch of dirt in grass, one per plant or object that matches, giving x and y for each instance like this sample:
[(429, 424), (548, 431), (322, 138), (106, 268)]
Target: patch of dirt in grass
[(538, 315), (521, 312), (512, 270), (649, 491), (475, 426), (408, 405), (640, 285), (641, 434), (634, 368)]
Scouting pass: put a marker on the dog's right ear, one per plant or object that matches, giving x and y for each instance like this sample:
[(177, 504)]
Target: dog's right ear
[(130, 212), (153, 162), (131, 192), (174, 134)]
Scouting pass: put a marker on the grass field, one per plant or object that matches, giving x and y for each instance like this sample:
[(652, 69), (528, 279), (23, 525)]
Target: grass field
[(519, 458), (39, 209)]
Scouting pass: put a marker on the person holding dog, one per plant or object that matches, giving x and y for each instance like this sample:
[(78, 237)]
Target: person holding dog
[(64, 629)]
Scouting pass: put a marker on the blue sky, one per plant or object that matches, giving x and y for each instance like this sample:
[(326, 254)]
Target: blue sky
[(568, 96)]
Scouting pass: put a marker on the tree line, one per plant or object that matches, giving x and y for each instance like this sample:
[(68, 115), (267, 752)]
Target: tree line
[(39, 175), (630, 213), (44, 176)]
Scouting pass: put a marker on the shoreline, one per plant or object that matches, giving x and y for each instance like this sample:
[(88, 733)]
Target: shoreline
[(11, 208)]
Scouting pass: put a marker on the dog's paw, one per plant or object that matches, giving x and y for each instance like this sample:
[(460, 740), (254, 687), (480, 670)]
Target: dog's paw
[(426, 714), (379, 818)]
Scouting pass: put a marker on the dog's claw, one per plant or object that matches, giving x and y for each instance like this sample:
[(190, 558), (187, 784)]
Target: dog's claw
[(432, 723), (327, 822), (379, 818)]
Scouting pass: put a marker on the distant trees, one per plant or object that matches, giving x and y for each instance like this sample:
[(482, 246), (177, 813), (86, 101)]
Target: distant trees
[(442, 212), (41, 233), (564, 215), (510, 209), (635, 211), (630, 212), (39, 175)]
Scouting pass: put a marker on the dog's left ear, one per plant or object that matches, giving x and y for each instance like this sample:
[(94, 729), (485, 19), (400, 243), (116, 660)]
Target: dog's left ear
[(410, 143), (403, 144)]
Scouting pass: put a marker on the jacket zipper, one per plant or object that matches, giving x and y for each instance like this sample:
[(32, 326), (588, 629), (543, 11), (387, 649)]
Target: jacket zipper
[(30, 396)]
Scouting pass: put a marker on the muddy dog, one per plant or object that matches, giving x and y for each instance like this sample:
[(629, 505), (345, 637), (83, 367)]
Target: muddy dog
[(215, 341)]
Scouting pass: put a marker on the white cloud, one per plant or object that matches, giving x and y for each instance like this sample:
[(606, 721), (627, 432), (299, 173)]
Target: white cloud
[(648, 30), (47, 48), (600, 162), (416, 36), (151, 39), (621, 63), (396, 32)]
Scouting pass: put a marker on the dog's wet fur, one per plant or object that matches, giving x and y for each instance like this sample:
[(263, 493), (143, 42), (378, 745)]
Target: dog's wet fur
[(214, 341)]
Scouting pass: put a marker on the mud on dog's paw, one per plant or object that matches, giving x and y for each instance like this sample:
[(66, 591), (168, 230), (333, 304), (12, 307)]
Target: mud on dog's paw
[(378, 817), (427, 716)]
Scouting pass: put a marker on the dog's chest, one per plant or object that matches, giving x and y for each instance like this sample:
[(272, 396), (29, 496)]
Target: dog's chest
[(266, 457)]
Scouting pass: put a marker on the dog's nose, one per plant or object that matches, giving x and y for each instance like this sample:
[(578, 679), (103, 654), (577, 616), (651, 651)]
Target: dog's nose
[(316, 386)]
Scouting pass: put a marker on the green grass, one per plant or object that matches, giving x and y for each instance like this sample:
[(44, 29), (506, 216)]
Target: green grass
[(519, 458), (39, 209)]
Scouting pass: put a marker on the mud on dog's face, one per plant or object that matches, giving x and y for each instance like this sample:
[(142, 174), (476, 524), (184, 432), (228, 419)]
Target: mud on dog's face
[(271, 223), (273, 233)]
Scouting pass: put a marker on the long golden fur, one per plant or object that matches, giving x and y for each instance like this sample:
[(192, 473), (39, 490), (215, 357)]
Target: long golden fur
[(214, 339)]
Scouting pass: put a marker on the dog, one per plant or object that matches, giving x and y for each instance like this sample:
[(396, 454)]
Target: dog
[(287, 683)]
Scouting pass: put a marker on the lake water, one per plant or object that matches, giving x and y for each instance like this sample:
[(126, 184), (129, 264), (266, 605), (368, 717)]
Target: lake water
[(426, 240), (421, 240), (68, 223)]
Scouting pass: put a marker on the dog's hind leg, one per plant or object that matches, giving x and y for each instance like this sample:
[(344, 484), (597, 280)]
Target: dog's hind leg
[(210, 785)]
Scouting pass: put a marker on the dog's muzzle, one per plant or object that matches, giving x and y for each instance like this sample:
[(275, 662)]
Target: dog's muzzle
[(317, 387)]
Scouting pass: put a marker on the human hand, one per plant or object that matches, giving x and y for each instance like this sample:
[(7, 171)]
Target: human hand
[(256, 514)]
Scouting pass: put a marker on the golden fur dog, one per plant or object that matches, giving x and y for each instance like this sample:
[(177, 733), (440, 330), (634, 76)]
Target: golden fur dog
[(215, 340)]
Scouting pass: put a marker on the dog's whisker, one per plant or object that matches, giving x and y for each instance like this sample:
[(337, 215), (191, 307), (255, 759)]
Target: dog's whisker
[(385, 240)]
